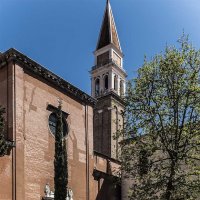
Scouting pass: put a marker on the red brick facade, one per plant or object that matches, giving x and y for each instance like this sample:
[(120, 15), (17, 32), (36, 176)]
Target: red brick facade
[(26, 89)]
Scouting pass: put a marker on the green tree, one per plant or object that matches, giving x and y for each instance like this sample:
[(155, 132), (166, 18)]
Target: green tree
[(162, 151), (60, 161), (4, 144)]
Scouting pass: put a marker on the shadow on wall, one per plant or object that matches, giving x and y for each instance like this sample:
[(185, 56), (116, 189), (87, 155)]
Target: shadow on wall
[(109, 190), (78, 166)]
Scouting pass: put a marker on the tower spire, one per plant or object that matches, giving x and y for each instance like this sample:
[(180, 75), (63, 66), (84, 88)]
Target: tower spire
[(108, 34), (108, 74)]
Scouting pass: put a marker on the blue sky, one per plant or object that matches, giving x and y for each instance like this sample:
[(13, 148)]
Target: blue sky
[(62, 34)]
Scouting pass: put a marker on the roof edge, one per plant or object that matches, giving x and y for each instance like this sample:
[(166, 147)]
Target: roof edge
[(37, 69), (111, 19)]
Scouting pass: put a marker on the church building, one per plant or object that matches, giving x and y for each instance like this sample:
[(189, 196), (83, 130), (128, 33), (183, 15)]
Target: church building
[(29, 93)]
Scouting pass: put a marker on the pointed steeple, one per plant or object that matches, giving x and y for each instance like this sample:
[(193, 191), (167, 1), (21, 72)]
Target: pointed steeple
[(108, 74), (108, 34)]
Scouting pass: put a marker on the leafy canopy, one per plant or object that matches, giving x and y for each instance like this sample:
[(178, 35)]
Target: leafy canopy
[(163, 126), (4, 144)]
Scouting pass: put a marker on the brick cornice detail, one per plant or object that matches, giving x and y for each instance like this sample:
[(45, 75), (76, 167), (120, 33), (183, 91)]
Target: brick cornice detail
[(38, 70)]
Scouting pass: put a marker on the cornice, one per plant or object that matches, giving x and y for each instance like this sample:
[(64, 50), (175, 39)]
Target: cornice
[(109, 65), (38, 70), (107, 157), (114, 96), (107, 48)]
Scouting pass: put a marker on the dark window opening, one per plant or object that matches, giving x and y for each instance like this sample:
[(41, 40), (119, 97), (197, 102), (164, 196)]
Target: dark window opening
[(106, 82), (121, 88), (115, 83), (97, 87)]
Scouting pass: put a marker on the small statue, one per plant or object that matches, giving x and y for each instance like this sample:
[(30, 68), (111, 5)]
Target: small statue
[(69, 194), (51, 194), (47, 190)]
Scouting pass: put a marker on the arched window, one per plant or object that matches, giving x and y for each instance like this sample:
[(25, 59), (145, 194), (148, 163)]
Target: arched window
[(106, 82), (97, 87), (121, 87), (115, 83)]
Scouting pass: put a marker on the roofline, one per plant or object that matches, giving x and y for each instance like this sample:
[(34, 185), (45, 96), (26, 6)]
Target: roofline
[(110, 15), (108, 65), (101, 27), (38, 70), (111, 45)]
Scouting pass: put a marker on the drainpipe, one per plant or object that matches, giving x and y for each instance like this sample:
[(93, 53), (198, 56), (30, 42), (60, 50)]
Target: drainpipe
[(13, 98), (14, 134), (87, 152)]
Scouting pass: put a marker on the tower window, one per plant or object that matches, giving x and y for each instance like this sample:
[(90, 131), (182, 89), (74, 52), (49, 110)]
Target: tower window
[(106, 82), (97, 87), (121, 87), (115, 83)]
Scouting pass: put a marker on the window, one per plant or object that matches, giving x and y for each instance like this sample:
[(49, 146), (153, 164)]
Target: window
[(121, 87), (106, 82), (53, 123), (97, 87), (115, 83)]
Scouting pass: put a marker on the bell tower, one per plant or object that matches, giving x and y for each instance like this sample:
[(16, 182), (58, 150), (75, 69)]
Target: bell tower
[(108, 86)]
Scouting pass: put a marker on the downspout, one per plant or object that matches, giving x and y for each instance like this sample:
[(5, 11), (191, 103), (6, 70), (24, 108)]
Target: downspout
[(14, 131), (8, 132), (13, 186), (87, 152), (12, 97)]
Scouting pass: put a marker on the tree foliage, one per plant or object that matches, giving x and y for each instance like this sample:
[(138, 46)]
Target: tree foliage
[(4, 144), (162, 114), (60, 161)]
